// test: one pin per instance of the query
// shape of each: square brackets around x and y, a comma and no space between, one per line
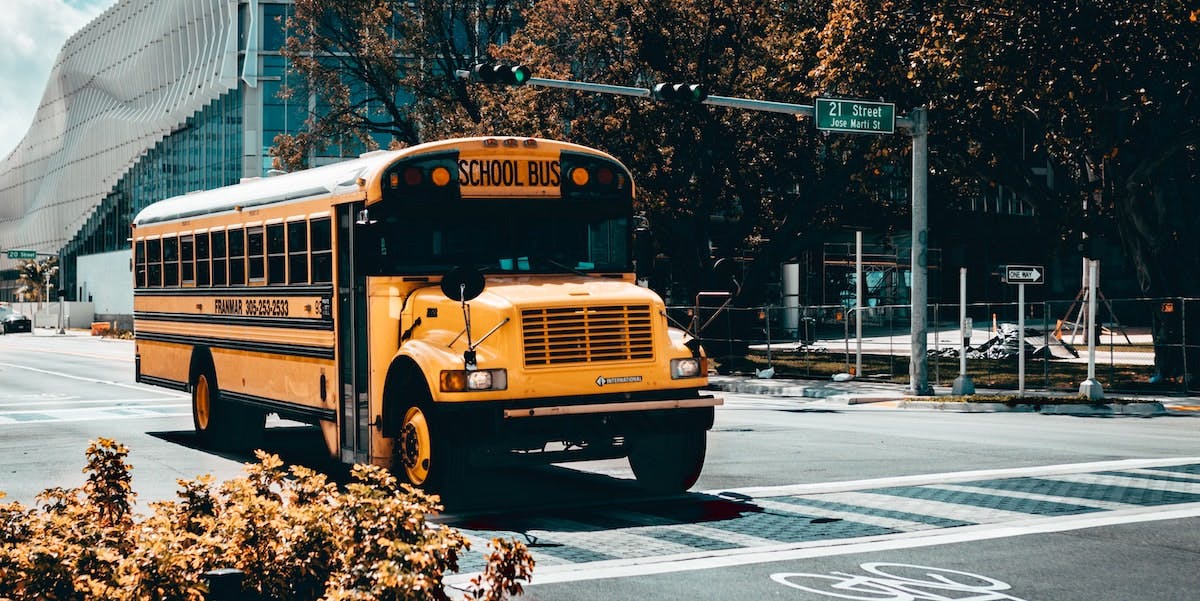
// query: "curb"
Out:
[904,401]
[1146,409]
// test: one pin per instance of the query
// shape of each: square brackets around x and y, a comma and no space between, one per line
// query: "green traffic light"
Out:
[500,73]
[681,93]
[521,74]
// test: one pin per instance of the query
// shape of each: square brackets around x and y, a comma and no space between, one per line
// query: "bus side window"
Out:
[321,242]
[202,266]
[276,255]
[218,258]
[170,261]
[139,264]
[256,259]
[154,262]
[187,259]
[237,257]
[297,246]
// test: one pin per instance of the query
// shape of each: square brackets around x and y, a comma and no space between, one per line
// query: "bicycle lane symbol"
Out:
[899,582]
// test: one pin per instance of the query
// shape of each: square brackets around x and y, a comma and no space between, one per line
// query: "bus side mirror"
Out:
[462,284]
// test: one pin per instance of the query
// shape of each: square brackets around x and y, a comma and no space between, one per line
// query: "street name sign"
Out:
[22,254]
[1024,274]
[855,116]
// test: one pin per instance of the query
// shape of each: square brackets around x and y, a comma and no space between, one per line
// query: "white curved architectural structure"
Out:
[122,84]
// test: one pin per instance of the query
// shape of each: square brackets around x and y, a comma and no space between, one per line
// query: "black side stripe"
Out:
[284,409]
[307,290]
[163,382]
[298,323]
[293,350]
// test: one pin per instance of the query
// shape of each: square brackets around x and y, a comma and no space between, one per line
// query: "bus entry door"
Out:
[353,410]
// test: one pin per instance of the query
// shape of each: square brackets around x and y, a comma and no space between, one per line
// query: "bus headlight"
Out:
[461,380]
[692,367]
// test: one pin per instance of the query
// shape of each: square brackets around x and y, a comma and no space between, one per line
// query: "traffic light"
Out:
[501,73]
[682,93]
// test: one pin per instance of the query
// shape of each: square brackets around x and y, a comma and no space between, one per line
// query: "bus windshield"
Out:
[523,236]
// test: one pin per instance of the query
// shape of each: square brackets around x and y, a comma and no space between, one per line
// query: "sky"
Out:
[32,32]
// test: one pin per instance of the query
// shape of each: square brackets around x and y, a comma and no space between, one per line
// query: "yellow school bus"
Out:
[436,309]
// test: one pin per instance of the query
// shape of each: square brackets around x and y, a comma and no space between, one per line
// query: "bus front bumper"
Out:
[620,407]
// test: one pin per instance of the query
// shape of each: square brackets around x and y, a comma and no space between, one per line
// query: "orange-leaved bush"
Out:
[292,533]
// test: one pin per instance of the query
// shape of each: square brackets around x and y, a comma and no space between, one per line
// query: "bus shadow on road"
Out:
[295,445]
[515,499]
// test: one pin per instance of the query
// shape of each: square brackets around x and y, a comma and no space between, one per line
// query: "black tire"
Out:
[426,452]
[668,462]
[219,423]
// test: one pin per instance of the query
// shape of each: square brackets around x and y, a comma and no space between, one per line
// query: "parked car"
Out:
[15,322]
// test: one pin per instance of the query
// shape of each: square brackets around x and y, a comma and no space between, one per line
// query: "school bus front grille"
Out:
[563,335]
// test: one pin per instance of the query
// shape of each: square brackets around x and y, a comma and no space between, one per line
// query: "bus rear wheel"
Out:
[668,462]
[427,455]
[219,423]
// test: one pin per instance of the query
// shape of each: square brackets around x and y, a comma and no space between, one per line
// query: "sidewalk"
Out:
[893,395]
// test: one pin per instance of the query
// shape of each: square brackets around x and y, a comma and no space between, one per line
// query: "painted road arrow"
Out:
[1023,274]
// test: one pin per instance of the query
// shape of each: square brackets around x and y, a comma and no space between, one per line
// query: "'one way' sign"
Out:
[1024,274]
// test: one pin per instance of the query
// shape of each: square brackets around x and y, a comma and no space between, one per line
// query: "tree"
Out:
[698,168]
[1110,85]
[1103,89]
[37,279]
[382,71]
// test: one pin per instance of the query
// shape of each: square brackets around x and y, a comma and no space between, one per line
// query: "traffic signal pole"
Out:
[916,123]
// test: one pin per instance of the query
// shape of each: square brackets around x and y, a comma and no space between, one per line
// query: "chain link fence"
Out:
[1143,345]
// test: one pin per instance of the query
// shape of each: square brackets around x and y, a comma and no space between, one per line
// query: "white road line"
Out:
[32,405]
[83,379]
[825,548]
[61,415]
[791,490]
[1015,494]
[1167,485]
[940,509]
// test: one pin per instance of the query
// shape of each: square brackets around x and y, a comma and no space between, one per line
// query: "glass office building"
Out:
[152,99]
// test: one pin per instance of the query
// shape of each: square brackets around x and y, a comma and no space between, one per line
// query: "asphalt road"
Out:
[798,496]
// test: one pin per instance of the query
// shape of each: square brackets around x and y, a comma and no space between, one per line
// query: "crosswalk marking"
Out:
[1109,505]
[1103,480]
[1165,474]
[739,539]
[941,509]
[862,518]
[619,543]
[1051,498]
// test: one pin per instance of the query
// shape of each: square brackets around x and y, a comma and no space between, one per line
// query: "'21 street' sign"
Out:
[855,116]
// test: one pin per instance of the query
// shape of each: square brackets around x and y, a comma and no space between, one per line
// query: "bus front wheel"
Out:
[668,462]
[428,456]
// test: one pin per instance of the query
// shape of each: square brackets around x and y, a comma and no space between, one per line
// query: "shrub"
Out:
[293,534]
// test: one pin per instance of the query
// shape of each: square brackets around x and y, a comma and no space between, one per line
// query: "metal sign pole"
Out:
[1090,388]
[858,301]
[1021,339]
[918,373]
[963,384]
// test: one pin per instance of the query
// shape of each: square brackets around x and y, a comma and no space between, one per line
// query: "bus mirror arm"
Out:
[693,342]
[469,354]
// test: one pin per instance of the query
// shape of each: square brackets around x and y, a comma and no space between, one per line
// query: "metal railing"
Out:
[1144,345]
